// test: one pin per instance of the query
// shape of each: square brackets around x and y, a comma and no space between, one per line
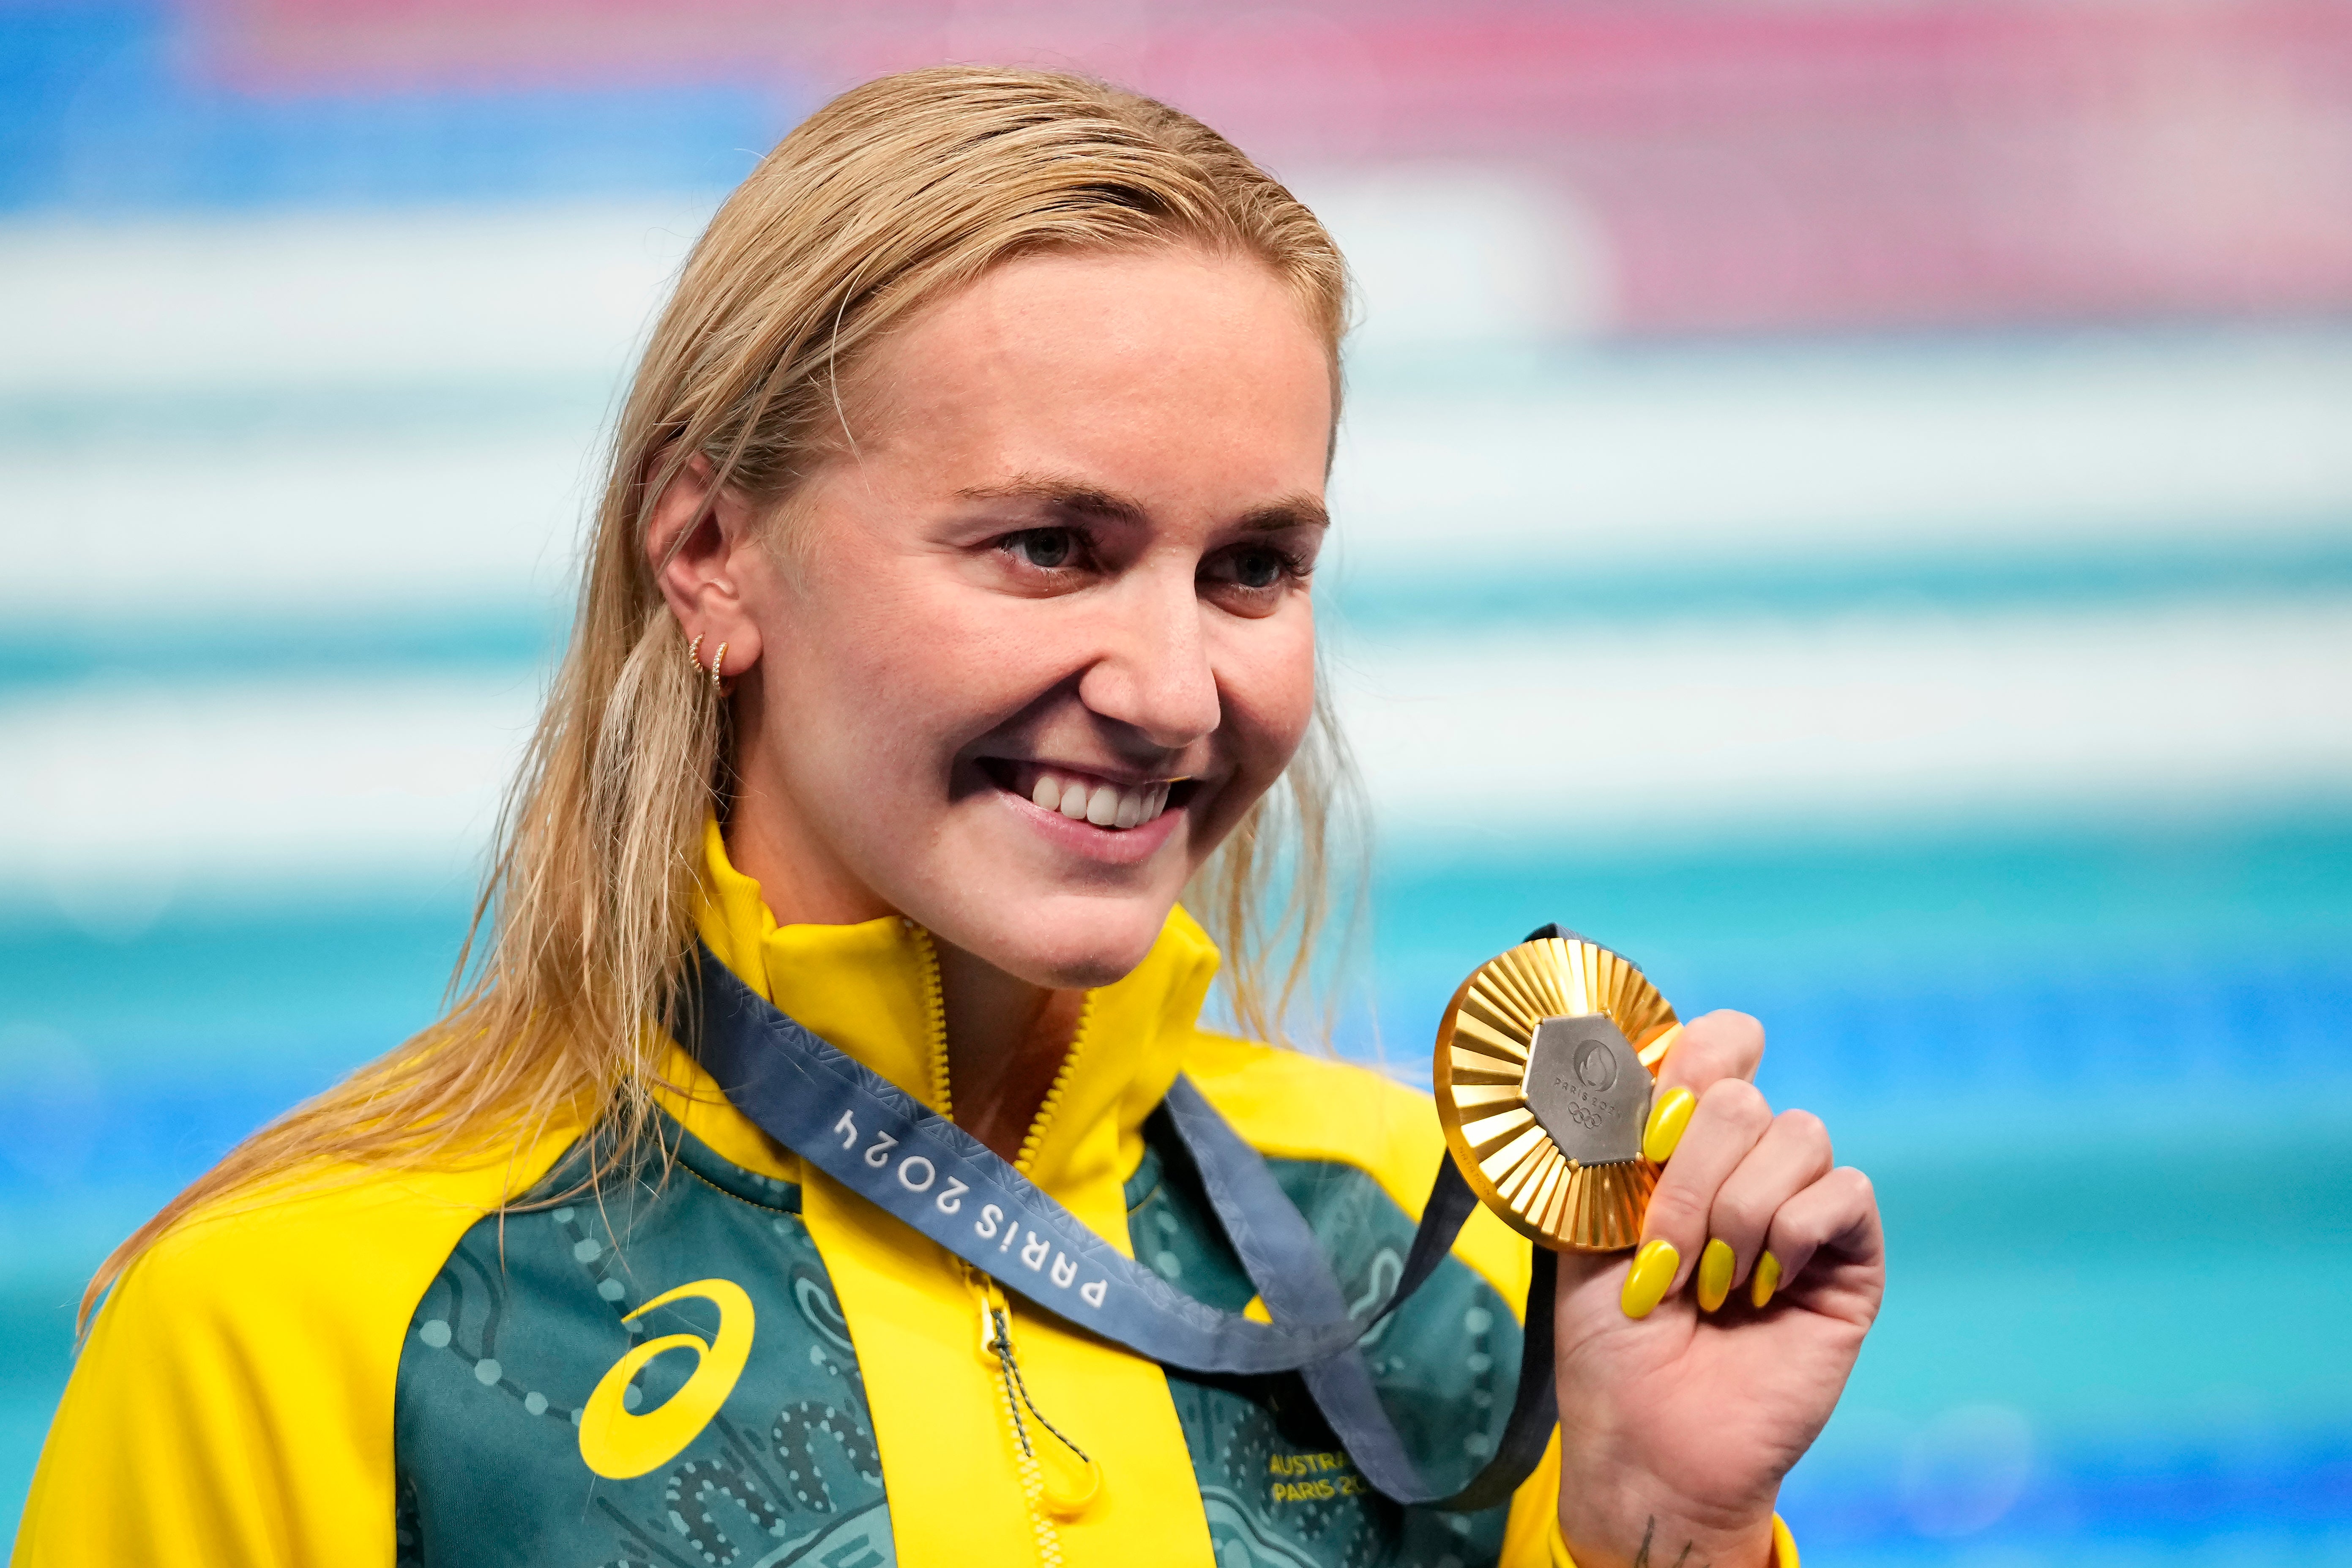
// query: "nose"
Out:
[1153,673]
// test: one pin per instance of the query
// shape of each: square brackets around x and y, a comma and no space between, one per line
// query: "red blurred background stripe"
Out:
[1747,167]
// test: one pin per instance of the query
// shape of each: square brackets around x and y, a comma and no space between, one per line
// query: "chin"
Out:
[1074,943]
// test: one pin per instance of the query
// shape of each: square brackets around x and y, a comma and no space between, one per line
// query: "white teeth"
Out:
[1104,804]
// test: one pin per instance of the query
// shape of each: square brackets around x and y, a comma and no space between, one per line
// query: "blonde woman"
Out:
[948,617]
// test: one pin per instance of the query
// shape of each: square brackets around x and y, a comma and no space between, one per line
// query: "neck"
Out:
[1006,1037]
[1006,1040]
[803,882]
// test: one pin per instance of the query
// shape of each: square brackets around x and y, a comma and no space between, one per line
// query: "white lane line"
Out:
[1989,452]
[90,306]
[1993,457]
[1445,257]
[119,795]
[1695,730]
[350,522]
[124,793]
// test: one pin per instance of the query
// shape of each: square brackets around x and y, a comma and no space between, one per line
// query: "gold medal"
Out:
[1545,1064]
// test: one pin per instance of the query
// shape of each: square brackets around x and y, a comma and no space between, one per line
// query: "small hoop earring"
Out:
[717,662]
[694,654]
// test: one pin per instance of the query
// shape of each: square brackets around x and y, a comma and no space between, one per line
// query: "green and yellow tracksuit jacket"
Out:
[721,1358]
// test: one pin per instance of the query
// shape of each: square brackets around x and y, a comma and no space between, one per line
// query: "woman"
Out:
[948,617]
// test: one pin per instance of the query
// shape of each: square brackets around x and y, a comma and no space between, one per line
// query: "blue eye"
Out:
[1253,569]
[1048,549]
[1257,568]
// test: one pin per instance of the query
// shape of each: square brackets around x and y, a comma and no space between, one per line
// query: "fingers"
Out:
[1744,1195]
[1719,1046]
[1840,1211]
[1711,1050]
[1792,1155]
[1730,1118]
[1720,1203]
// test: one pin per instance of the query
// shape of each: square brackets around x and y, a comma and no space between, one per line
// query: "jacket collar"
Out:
[871,990]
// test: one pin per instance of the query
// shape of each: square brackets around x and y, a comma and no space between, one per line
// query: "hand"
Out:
[1690,1380]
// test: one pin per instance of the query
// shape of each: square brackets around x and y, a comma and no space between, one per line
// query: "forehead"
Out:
[1160,365]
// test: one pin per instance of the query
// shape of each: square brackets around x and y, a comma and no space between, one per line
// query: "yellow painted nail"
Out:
[1715,1267]
[1767,1280]
[1667,1120]
[1646,1281]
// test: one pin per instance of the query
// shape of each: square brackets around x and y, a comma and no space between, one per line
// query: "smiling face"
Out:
[1046,635]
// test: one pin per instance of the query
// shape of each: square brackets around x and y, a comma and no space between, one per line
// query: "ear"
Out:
[707,561]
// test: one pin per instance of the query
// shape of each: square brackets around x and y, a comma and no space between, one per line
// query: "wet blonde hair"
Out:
[889,198]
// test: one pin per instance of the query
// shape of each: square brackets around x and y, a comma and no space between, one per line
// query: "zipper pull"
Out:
[988,1321]
[996,1352]
[1061,1501]
[991,1297]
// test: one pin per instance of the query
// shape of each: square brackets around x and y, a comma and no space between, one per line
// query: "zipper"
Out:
[935,1012]
[1048,1505]
[1059,1087]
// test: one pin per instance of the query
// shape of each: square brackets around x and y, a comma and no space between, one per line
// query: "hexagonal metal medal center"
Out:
[1588,1087]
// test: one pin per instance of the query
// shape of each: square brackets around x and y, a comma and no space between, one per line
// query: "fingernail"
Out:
[1715,1267]
[1667,1120]
[1646,1281]
[1767,1280]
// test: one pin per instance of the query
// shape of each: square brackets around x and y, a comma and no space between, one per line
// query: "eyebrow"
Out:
[1290,512]
[1074,498]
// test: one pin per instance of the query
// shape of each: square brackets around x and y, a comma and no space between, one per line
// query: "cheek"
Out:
[841,683]
[875,667]
[1269,684]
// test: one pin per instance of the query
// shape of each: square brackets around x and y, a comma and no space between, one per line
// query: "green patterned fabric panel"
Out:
[527,1315]
[509,1341]
[1278,1491]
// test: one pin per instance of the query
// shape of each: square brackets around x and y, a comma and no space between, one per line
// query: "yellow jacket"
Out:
[393,1367]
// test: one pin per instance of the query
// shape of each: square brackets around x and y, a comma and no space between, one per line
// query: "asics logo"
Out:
[619,1443]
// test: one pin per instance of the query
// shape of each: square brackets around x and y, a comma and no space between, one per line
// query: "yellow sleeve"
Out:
[233,1404]
[1531,1536]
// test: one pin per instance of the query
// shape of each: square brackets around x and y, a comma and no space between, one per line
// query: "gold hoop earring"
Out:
[694,654]
[717,662]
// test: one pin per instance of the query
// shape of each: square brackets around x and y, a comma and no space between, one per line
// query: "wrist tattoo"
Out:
[1649,1533]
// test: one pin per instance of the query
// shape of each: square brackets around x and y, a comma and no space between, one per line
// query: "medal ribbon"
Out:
[906,1159]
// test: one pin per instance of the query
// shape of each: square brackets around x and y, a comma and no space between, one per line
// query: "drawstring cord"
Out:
[1017,1389]
[996,1342]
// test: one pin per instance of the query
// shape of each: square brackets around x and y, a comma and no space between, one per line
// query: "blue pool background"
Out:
[2094,1051]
